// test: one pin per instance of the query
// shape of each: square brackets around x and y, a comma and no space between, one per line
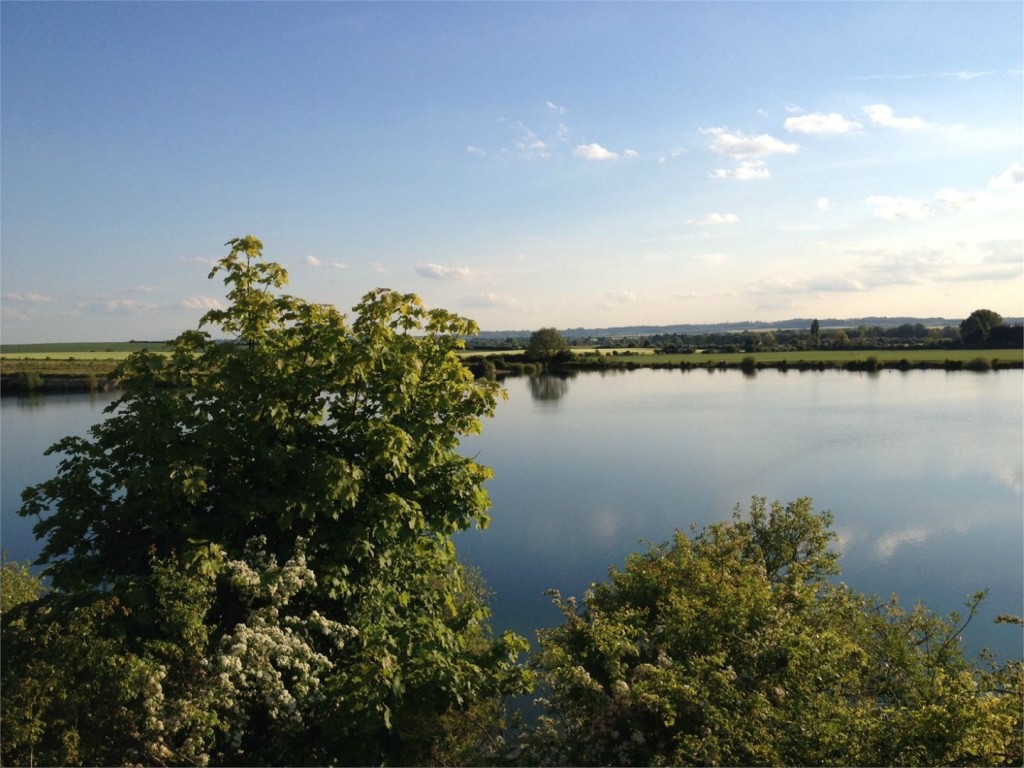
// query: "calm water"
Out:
[922,470]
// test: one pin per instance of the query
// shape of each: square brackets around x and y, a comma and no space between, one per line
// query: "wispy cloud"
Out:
[819,123]
[28,296]
[594,152]
[620,296]
[883,114]
[822,203]
[439,272]
[555,107]
[202,303]
[474,150]
[745,171]
[741,146]
[116,306]
[970,74]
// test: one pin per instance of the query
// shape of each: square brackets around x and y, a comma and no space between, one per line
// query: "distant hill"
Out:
[739,327]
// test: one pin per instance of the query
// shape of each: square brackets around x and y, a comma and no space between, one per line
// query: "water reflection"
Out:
[550,387]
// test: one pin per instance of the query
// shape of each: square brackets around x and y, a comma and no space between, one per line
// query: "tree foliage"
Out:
[978,326]
[546,345]
[258,540]
[736,647]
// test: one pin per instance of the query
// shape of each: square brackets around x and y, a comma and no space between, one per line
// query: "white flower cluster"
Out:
[276,660]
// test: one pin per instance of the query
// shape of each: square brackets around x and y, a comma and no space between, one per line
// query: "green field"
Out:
[70,359]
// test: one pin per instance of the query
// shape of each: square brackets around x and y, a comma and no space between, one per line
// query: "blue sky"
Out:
[524,164]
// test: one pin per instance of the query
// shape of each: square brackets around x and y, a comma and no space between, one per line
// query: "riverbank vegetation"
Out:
[250,561]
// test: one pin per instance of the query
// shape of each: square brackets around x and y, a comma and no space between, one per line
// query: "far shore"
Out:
[65,371]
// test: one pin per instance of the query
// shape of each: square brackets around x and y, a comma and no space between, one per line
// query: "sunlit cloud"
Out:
[1003,251]
[490,299]
[313,261]
[745,171]
[891,208]
[439,272]
[28,296]
[717,218]
[741,145]
[821,124]
[594,152]
[823,204]
[882,114]
[1010,178]
[555,107]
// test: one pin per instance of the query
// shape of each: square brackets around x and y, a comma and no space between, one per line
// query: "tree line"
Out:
[983,327]
[250,562]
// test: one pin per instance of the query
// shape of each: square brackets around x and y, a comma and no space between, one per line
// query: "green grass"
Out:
[111,350]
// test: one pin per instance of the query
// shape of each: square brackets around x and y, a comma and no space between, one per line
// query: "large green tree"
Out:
[978,325]
[259,536]
[545,345]
[736,646]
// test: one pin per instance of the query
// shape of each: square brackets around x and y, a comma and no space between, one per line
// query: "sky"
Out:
[523,164]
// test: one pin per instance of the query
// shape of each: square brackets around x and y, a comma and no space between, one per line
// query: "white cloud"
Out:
[1011,177]
[202,302]
[953,200]
[970,75]
[823,204]
[899,208]
[313,261]
[438,272]
[490,299]
[630,153]
[882,114]
[718,218]
[473,150]
[594,152]
[674,154]
[740,145]
[621,296]
[380,269]
[745,171]
[29,296]
[555,107]
[821,124]
[116,306]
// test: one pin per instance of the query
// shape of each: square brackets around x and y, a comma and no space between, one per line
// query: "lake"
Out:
[923,471]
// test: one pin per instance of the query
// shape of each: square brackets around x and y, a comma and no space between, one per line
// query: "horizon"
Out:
[526,165]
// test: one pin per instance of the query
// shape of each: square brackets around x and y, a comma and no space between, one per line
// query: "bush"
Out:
[978,364]
[736,647]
